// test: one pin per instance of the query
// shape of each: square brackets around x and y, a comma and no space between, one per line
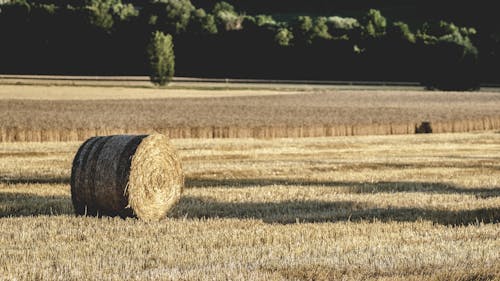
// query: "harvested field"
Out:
[416,207]
[66,114]
[81,93]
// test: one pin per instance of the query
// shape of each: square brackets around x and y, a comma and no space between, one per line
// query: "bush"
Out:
[161,58]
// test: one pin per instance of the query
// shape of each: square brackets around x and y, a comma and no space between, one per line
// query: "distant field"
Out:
[419,207]
[98,93]
[59,113]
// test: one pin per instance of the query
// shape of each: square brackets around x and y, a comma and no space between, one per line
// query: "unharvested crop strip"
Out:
[16,134]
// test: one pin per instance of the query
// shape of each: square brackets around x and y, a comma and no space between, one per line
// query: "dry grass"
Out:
[79,93]
[76,113]
[309,108]
[353,208]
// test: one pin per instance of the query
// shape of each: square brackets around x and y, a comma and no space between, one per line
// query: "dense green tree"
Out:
[283,37]
[111,38]
[261,20]
[373,24]
[400,31]
[161,58]
[306,30]
[226,16]
[302,28]
[320,29]
[16,13]
[169,16]
[342,28]
[450,55]
[104,13]
[202,23]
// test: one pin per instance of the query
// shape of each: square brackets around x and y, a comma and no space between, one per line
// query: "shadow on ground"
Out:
[319,211]
[29,204]
[13,204]
[347,186]
[33,180]
[342,186]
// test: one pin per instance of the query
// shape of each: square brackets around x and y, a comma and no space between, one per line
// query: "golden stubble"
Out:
[352,208]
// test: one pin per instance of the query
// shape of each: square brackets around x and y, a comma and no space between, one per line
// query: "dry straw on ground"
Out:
[399,208]
[126,176]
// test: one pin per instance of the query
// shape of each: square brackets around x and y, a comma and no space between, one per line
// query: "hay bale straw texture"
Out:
[126,176]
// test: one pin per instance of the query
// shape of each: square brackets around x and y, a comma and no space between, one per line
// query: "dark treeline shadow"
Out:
[347,186]
[321,211]
[35,39]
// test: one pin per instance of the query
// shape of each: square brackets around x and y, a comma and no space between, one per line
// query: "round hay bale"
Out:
[126,176]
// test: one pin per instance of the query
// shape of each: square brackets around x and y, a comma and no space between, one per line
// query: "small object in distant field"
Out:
[126,176]
[424,128]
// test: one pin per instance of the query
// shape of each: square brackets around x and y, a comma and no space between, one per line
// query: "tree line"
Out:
[110,37]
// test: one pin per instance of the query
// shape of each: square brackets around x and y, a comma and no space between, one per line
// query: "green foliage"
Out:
[336,22]
[124,11]
[283,37]
[34,31]
[99,14]
[302,29]
[320,29]
[19,10]
[201,23]
[401,31]
[227,17]
[306,30]
[169,16]
[374,24]
[442,28]
[223,7]
[303,25]
[343,28]
[47,9]
[161,58]
[443,32]
[262,20]
[104,13]
[453,56]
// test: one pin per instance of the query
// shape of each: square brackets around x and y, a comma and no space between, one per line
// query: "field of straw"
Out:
[414,207]
[63,113]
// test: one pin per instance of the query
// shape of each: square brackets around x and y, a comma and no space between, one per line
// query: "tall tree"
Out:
[161,58]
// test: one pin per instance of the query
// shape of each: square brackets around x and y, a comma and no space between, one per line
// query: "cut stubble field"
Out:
[61,113]
[415,207]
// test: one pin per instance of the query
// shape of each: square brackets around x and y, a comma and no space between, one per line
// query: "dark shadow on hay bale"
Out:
[101,183]
[424,128]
